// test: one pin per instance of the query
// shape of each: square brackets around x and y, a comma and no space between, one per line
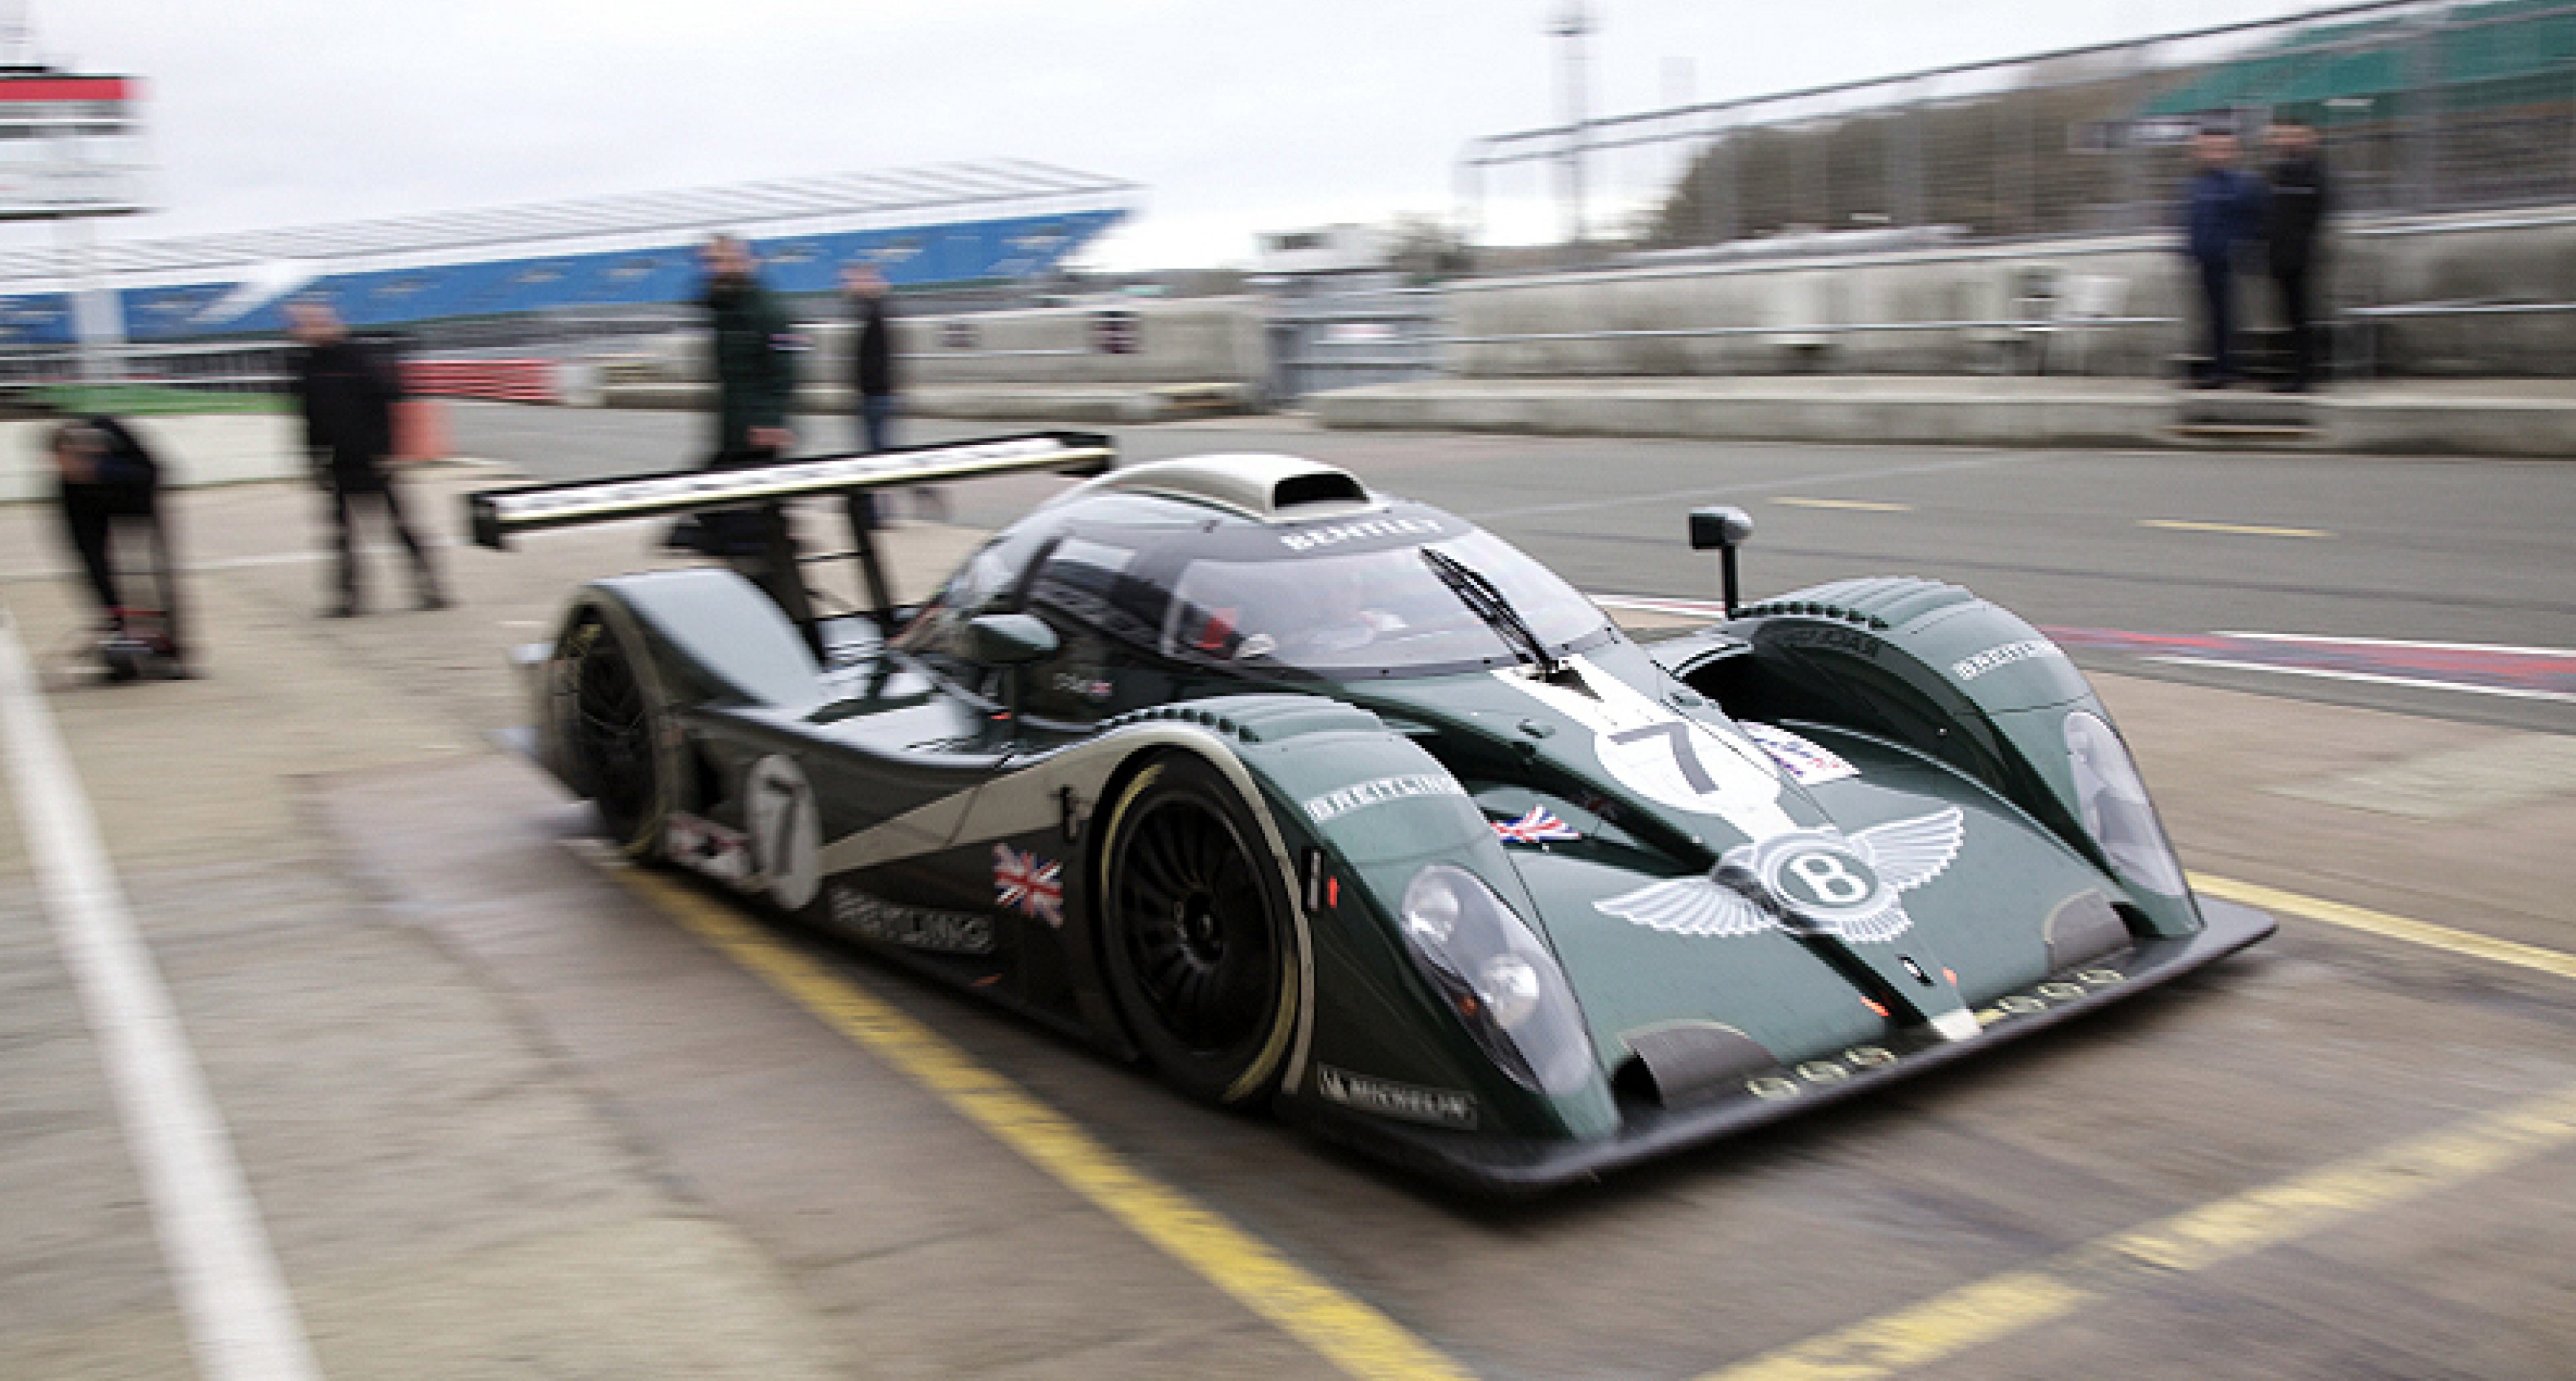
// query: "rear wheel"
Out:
[612,728]
[1194,922]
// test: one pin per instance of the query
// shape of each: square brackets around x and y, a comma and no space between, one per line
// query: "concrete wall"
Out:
[215,449]
[2525,258]
[1187,341]
[2472,260]
[1778,302]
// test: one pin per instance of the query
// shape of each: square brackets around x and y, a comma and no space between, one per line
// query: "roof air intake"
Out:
[1317,486]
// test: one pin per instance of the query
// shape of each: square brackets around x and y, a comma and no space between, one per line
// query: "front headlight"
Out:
[2113,802]
[1493,972]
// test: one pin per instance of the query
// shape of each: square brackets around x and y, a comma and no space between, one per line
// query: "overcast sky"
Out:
[1235,117]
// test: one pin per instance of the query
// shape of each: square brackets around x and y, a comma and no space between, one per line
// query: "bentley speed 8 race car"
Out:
[1316,798]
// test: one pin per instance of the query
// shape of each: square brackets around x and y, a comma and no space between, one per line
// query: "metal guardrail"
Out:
[1056,352]
[2031,325]
[2456,224]
[233,367]
[2402,310]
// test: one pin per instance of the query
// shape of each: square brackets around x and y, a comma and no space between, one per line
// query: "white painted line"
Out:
[2231,529]
[1657,604]
[1857,505]
[1720,491]
[263,560]
[2497,648]
[2419,682]
[241,1322]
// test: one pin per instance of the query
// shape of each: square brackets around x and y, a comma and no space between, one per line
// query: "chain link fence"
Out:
[2424,107]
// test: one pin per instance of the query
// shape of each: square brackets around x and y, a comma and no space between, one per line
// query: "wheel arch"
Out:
[701,635]
[1930,667]
[585,624]
[1146,747]
[1229,733]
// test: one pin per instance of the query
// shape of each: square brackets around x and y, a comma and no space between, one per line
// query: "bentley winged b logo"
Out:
[1812,879]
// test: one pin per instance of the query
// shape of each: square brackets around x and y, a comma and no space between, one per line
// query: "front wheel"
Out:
[1194,921]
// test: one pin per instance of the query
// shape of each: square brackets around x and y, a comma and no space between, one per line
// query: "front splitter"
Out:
[1519,1167]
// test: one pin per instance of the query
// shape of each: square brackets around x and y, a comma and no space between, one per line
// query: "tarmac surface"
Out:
[503,1112]
[2155,542]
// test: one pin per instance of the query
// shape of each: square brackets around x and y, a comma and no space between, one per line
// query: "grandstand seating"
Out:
[959,252]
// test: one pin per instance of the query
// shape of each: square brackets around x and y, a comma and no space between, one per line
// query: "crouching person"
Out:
[111,481]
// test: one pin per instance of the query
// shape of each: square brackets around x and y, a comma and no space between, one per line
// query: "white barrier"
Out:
[216,448]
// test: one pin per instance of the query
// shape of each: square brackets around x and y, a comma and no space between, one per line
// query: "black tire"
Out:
[612,733]
[1195,931]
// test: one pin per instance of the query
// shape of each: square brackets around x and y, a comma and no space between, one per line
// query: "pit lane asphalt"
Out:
[2458,551]
[503,1116]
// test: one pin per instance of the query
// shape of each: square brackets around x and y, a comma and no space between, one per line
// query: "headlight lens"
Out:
[1498,978]
[1511,990]
[2114,805]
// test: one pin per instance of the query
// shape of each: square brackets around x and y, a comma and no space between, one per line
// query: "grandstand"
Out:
[952,226]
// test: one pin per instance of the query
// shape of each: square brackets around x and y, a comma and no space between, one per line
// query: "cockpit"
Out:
[1150,581]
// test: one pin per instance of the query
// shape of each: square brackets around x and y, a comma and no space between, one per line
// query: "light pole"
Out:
[1574,24]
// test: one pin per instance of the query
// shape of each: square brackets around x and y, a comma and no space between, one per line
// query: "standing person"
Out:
[2299,200]
[2223,208]
[871,355]
[872,373]
[755,382]
[755,385]
[348,394]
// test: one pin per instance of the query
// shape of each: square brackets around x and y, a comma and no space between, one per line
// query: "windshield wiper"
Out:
[1485,600]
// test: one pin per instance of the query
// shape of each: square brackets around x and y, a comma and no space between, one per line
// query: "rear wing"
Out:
[498,514]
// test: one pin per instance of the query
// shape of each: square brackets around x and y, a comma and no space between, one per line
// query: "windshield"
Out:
[1368,613]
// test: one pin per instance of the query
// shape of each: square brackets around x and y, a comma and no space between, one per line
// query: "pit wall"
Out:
[2527,257]
[1210,340]
[217,448]
[1050,361]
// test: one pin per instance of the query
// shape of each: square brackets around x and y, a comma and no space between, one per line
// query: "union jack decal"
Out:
[1537,827]
[1028,884]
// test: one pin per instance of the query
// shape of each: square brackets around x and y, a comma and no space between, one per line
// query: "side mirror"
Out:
[1716,529]
[1009,640]
[1722,530]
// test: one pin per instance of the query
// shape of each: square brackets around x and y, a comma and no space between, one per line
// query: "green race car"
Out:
[1318,799]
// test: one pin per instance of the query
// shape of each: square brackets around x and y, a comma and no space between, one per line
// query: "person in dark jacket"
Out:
[348,393]
[872,376]
[871,355]
[2223,209]
[755,381]
[755,386]
[108,476]
[2299,200]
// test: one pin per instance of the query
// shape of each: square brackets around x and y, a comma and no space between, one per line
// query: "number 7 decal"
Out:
[786,831]
[785,796]
[1684,756]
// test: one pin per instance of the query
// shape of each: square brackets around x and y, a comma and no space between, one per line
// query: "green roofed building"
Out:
[2471,58]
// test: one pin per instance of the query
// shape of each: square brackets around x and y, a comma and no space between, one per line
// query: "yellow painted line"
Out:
[1862,505]
[2549,961]
[1345,1331]
[2239,529]
[2196,1239]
